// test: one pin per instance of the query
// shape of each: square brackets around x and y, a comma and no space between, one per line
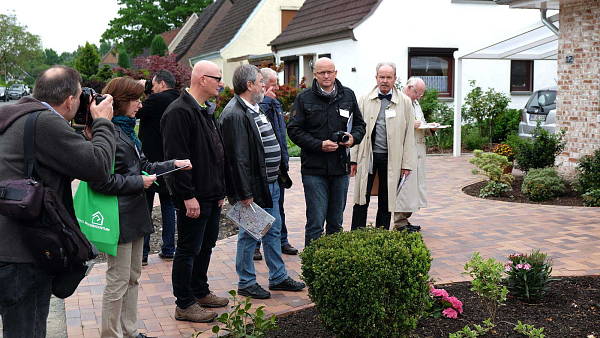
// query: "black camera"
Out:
[340,137]
[83,115]
[148,87]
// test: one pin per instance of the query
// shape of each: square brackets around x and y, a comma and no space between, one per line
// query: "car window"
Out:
[547,98]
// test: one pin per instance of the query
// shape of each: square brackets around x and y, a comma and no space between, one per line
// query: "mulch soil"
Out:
[226,229]
[570,198]
[571,308]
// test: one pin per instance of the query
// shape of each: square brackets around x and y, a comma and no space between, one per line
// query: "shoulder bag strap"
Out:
[29,145]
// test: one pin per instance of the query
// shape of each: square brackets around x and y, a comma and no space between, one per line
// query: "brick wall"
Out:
[578,102]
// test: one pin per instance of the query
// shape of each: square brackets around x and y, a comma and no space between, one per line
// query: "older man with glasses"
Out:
[413,196]
[326,123]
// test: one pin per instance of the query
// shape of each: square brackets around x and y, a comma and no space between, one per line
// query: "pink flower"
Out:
[526,266]
[439,292]
[456,304]
[508,267]
[450,313]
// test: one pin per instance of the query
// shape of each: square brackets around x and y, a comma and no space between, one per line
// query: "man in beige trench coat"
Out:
[413,196]
[387,150]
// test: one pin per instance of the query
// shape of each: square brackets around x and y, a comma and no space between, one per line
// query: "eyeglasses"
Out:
[326,72]
[218,78]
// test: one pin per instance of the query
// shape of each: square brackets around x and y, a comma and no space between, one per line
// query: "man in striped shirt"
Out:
[253,159]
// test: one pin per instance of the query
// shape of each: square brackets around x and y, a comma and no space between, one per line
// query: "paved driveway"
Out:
[454,226]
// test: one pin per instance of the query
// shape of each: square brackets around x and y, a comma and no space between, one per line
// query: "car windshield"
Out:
[16,86]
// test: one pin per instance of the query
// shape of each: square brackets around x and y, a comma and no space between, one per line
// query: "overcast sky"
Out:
[63,24]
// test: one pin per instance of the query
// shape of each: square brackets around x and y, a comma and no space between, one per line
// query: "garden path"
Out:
[454,226]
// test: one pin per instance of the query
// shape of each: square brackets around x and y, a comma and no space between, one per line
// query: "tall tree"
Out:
[139,21]
[158,46]
[17,45]
[105,47]
[124,60]
[87,60]
[51,57]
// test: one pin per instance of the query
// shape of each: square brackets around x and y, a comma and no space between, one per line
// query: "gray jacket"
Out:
[61,154]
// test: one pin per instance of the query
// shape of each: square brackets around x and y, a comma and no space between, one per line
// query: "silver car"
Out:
[540,108]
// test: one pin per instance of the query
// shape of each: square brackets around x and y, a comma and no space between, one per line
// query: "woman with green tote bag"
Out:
[132,174]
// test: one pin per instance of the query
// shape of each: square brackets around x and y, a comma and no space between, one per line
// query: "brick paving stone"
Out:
[453,226]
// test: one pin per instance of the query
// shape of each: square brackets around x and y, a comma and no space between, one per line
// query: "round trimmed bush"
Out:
[368,282]
[542,184]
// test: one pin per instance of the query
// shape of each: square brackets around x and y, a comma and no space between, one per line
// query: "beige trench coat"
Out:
[413,194]
[400,141]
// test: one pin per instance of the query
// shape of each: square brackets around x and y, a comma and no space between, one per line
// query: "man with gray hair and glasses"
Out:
[271,107]
[387,153]
[253,164]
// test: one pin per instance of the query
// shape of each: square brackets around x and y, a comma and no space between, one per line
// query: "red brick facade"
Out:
[578,103]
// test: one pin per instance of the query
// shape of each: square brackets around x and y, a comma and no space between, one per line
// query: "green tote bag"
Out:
[98,217]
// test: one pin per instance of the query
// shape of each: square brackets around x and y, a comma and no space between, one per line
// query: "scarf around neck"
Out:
[127,125]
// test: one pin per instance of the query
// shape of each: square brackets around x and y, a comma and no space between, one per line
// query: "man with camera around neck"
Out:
[61,155]
[153,108]
[326,123]
[388,150]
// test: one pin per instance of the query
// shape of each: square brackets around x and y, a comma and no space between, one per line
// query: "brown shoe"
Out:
[212,300]
[195,313]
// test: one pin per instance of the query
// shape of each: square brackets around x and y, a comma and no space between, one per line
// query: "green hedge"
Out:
[369,282]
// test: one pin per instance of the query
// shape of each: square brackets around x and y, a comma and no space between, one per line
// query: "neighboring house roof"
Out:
[170,35]
[237,14]
[110,58]
[203,19]
[320,21]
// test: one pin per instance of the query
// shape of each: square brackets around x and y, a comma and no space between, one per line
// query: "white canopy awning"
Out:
[536,43]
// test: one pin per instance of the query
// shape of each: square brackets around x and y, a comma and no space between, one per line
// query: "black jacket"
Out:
[191,132]
[127,184]
[246,167]
[316,118]
[61,154]
[150,114]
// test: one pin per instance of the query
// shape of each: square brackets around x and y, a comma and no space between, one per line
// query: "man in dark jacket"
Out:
[253,161]
[272,109]
[190,131]
[163,84]
[61,155]
[327,121]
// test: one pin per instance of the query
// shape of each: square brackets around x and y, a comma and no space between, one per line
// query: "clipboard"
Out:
[401,184]
[171,171]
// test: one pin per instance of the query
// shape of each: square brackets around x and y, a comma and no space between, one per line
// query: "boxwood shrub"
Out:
[542,184]
[368,282]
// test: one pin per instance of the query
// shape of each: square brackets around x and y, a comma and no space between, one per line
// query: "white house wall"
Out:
[397,25]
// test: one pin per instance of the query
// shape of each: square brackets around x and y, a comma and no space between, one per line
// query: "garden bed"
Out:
[570,198]
[571,308]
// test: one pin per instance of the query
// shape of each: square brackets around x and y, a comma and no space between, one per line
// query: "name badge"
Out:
[344,113]
[390,113]
[263,118]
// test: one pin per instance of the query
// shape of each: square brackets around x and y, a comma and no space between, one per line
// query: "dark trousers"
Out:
[196,239]
[167,210]
[284,232]
[24,300]
[359,212]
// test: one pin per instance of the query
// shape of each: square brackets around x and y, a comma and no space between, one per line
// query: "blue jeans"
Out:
[244,265]
[167,209]
[197,237]
[284,232]
[24,300]
[325,198]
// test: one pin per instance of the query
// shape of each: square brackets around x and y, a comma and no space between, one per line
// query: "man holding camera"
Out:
[61,155]
[326,123]
[163,93]
[388,151]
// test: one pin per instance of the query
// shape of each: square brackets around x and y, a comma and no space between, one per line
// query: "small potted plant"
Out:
[505,150]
